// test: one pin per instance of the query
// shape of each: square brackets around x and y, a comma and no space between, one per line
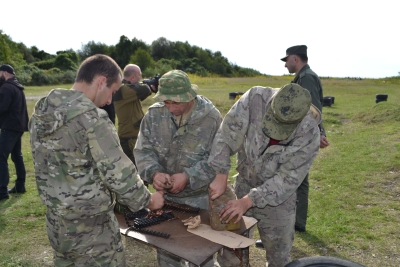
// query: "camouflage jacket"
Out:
[79,164]
[162,147]
[269,175]
[309,80]
[128,107]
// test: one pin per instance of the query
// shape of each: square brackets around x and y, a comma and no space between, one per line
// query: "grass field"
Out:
[354,210]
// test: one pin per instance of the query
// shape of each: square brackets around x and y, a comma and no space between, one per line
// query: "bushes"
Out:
[32,75]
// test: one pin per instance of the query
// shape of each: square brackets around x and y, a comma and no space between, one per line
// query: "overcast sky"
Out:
[344,38]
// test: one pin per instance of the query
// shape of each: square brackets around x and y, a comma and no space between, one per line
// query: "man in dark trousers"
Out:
[13,123]
[128,107]
[297,62]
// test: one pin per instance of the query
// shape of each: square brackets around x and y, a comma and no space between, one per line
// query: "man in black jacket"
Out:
[13,123]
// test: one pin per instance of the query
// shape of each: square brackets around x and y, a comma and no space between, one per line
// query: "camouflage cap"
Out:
[295,50]
[175,86]
[288,108]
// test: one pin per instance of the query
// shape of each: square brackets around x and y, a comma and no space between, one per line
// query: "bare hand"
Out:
[179,181]
[218,186]
[156,200]
[323,142]
[235,207]
[159,180]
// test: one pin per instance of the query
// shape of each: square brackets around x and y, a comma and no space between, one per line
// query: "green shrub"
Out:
[45,64]
[40,77]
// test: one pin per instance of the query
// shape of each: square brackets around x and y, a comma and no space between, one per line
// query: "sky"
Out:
[350,38]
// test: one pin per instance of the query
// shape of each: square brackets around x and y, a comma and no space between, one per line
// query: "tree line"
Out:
[37,67]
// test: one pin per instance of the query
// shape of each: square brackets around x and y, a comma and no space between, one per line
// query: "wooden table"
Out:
[183,244]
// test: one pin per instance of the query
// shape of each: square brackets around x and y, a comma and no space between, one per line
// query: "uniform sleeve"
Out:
[116,170]
[146,156]
[230,135]
[142,91]
[201,174]
[313,85]
[294,164]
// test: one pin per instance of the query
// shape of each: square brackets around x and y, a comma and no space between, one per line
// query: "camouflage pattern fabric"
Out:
[163,147]
[268,175]
[102,244]
[175,86]
[288,107]
[80,168]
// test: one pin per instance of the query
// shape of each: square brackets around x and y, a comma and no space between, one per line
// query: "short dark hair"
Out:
[303,57]
[99,65]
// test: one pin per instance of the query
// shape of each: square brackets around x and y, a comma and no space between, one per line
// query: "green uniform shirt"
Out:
[128,107]
[310,81]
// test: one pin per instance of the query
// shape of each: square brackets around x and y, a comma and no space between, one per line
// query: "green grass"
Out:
[354,210]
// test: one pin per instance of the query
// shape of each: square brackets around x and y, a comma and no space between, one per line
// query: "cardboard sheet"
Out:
[225,238]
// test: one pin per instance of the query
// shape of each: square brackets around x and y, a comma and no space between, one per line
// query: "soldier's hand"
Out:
[235,207]
[179,181]
[218,186]
[159,180]
[323,142]
[156,201]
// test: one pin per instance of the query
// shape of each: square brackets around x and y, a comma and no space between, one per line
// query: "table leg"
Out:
[243,253]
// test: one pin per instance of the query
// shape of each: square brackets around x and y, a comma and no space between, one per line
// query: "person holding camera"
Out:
[128,107]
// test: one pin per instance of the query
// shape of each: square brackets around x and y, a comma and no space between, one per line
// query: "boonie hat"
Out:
[7,68]
[287,109]
[295,50]
[175,86]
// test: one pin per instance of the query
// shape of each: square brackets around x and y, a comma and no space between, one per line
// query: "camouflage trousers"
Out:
[276,228]
[94,241]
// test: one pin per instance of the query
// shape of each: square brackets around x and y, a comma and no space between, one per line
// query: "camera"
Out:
[153,81]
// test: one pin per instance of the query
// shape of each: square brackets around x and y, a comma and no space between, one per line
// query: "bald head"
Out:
[132,73]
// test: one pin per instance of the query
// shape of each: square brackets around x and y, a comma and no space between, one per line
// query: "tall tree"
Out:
[9,52]
[161,48]
[40,54]
[93,48]
[142,58]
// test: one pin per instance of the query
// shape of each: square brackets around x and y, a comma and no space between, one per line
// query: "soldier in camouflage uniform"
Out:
[174,143]
[81,169]
[276,135]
